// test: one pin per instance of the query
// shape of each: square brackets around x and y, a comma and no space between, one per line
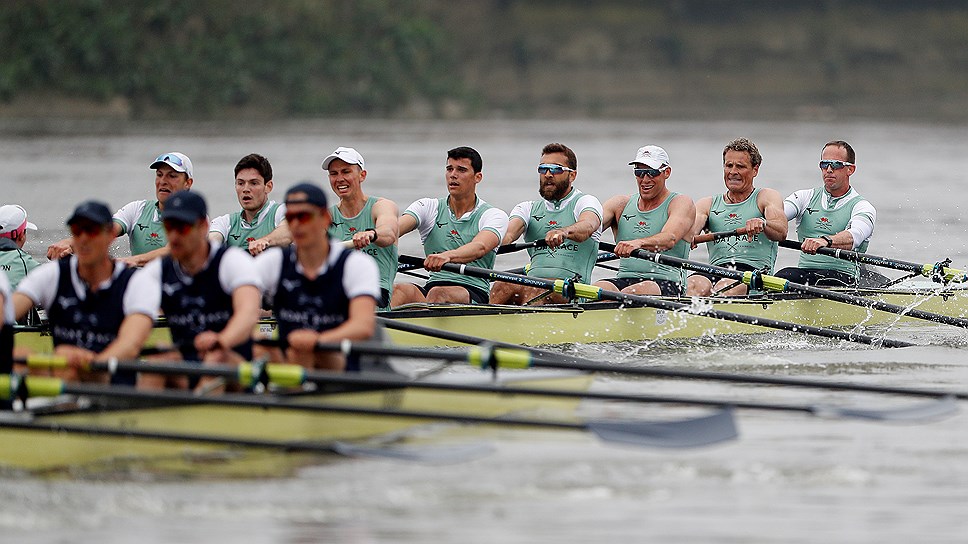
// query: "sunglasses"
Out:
[651,172]
[178,227]
[91,229]
[302,217]
[836,165]
[173,159]
[554,169]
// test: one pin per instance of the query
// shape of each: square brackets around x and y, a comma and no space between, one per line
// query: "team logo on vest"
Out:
[552,224]
[733,219]
[454,236]
[235,236]
[627,217]
[537,217]
[289,285]
[250,239]
[155,239]
[717,212]
[440,225]
[641,226]
[140,226]
[824,224]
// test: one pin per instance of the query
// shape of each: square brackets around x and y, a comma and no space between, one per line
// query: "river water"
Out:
[789,478]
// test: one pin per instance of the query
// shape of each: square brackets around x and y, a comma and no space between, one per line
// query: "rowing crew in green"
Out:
[462,228]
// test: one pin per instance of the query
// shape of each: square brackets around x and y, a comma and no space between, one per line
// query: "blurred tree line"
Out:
[178,57]
[426,58]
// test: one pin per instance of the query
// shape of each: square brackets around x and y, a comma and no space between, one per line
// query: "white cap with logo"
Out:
[13,221]
[345,154]
[178,161]
[652,156]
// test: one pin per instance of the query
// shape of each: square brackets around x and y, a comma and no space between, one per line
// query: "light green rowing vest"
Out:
[15,262]
[568,259]
[148,233]
[343,228]
[449,233]
[818,221]
[240,235]
[760,253]
[634,224]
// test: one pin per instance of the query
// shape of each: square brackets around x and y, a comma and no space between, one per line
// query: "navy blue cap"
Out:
[185,206]
[314,195]
[91,210]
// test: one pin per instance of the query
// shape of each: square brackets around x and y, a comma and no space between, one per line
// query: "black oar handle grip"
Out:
[511,248]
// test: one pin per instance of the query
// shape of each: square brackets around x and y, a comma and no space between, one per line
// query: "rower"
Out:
[834,215]
[210,292]
[14,261]
[655,219]
[6,327]
[369,222]
[461,228]
[756,212]
[141,219]
[568,221]
[98,307]
[261,223]
[320,291]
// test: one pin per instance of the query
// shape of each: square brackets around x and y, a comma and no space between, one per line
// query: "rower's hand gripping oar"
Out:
[939,272]
[757,280]
[570,290]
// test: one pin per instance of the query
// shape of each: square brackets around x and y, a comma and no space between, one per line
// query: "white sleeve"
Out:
[268,265]
[40,285]
[237,269]
[494,220]
[143,293]
[280,216]
[361,276]
[128,215]
[220,225]
[796,203]
[861,225]
[588,202]
[523,212]
[425,212]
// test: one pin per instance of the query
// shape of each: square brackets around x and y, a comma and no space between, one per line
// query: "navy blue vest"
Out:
[92,323]
[197,307]
[319,305]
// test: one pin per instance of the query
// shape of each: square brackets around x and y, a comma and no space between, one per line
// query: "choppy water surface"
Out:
[789,478]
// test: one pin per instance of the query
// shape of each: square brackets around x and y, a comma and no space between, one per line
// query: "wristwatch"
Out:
[830,241]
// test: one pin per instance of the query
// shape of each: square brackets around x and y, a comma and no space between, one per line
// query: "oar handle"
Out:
[511,248]
[713,236]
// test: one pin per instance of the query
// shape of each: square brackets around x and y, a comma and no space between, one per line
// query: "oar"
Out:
[546,359]
[938,271]
[571,289]
[713,236]
[690,432]
[448,454]
[511,248]
[773,283]
[293,375]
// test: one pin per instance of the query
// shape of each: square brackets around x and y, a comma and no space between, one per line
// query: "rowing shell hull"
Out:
[609,322]
[58,453]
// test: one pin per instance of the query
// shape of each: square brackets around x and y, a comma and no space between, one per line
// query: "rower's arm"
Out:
[611,210]
[386,222]
[407,223]
[131,338]
[588,224]
[137,261]
[485,241]
[361,324]
[279,237]
[515,230]
[246,303]
[771,204]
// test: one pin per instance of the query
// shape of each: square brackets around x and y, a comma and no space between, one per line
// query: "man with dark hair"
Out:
[655,219]
[320,291]
[210,292]
[14,261]
[834,215]
[141,219]
[756,212]
[261,223]
[565,219]
[369,222]
[99,308]
[460,228]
